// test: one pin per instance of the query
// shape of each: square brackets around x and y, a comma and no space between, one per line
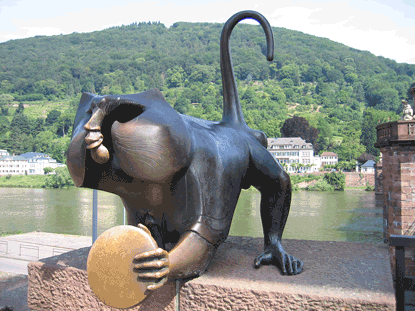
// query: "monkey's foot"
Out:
[275,255]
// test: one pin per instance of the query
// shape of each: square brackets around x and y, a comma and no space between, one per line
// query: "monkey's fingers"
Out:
[157,253]
[154,275]
[158,285]
[152,265]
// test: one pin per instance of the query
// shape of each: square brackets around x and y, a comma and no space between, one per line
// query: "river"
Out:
[352,215]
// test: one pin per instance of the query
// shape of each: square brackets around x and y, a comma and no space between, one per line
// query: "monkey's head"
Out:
[127,137]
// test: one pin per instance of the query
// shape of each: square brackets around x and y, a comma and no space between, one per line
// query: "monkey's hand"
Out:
[276,255]
[152,265]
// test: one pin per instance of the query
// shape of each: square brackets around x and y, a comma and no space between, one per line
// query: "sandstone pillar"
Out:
[396,141]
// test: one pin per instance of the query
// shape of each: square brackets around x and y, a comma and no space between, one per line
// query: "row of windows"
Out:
[288,147]
[288,161]
[11,165]
[11,171]
[287,154]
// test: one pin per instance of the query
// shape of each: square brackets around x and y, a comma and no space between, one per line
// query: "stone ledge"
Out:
[337,275]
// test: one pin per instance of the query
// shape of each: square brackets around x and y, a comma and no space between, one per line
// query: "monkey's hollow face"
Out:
[139,143]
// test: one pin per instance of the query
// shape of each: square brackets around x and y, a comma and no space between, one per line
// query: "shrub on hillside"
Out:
[320,185]
[336,179]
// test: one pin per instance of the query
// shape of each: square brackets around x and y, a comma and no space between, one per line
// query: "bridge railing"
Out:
[403,283]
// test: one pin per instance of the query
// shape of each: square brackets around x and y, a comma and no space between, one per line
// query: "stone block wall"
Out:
[399,197]
[399,189]
[354,179]
[336,276]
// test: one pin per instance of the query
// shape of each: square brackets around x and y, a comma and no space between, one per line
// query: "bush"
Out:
[369,187]
[296,179]
[320,185]
[336,179]
[61,179]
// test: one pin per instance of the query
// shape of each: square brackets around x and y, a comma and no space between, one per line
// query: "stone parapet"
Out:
[397,132]
[337,276]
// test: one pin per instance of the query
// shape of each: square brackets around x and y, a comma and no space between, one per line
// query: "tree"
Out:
[38,126]
[349,149]
[371,118]
[44,142]
[19,143]
[64,124]
[345,165]
[48,170]
[19,109]
[6,100]
[175,77]
[20,124]
[4,124]
[52,117]
[299,127]
[364,157]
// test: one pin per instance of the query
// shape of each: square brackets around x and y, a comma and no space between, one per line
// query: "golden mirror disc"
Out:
[110,266]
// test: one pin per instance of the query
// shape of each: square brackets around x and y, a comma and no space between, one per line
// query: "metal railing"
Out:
[403,283]
[61,250]
[31,247]
[7,247]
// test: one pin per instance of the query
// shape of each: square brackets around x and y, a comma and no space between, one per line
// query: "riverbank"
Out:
[23,181]
[60,178]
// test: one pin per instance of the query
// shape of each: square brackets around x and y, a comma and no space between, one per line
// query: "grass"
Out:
[22,181]
[41,109]
[37,109]
[6,233]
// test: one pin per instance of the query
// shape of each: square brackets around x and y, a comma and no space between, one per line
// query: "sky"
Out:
[384,27]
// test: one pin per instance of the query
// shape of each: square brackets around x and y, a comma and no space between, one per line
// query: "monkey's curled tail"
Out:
[232,111]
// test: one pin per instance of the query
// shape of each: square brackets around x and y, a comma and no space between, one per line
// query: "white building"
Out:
[368,167]
[329,158]
[4,153]
[293,150]
[13,165]
[38,161]
[31,163]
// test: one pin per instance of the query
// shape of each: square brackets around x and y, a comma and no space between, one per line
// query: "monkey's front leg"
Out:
[190,257]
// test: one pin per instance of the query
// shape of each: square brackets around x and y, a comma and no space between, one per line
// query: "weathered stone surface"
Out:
[60,283]
[337,276]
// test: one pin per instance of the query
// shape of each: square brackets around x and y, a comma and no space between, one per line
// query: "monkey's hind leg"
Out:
[275,187]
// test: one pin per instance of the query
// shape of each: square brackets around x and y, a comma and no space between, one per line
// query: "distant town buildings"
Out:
[368,167]
[298,155]
[329,158]
[31,163]
[3,153]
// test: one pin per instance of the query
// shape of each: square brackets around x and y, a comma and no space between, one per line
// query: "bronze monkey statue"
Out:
[181,176]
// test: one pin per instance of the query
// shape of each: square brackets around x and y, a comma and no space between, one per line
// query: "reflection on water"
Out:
[327,216]
[352,215]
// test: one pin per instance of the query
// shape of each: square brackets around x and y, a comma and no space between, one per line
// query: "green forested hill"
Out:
[328,83]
